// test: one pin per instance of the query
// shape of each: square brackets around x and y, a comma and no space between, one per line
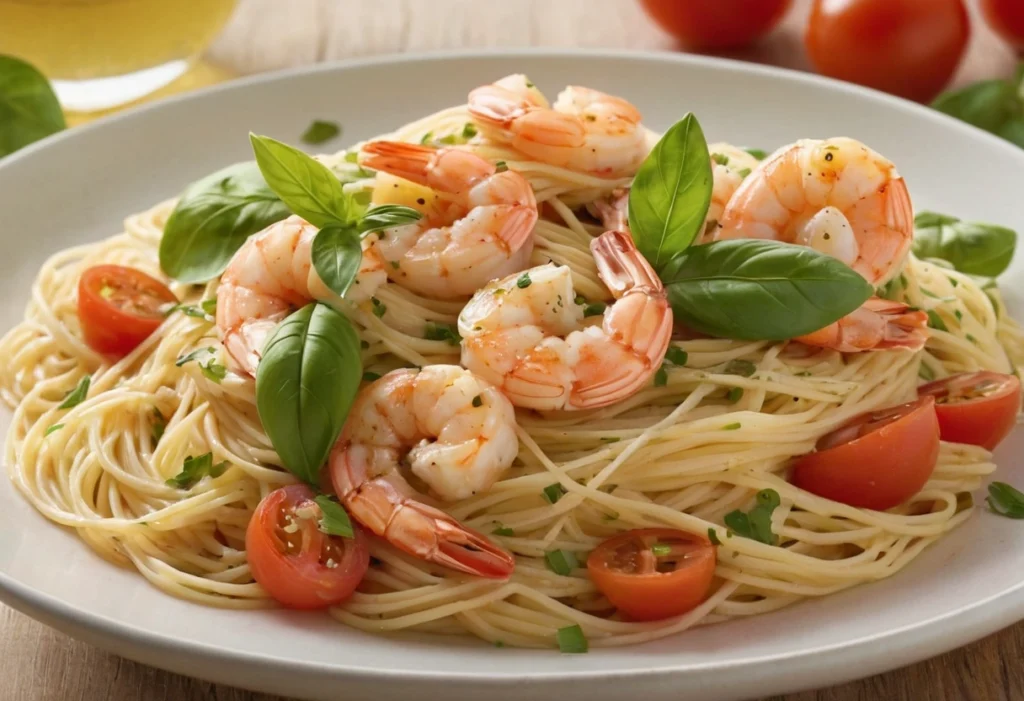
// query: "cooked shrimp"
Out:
[878,325]
[836,196]
[523,333]
[492,233]
[269,277]
[457,434]
[730,165]
[585,130]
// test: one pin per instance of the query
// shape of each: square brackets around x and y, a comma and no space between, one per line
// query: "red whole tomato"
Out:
[120,307]
[297,563]
[905,47]
[1007,18]
[653,573]
[876,460]
[716,24]
[979,408]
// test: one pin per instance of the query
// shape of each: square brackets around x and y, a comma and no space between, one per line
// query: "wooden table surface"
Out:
[39,664]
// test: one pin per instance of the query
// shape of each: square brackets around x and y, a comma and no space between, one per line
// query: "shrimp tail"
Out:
[620,265]
[878,324]
[409,161]
[453,545]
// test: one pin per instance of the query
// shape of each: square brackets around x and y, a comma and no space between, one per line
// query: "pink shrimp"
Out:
[489,234]
[878,325]
[586,130]
[523,333]
[456,432]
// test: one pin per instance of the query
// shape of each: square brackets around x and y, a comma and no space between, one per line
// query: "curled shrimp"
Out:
[836,196]
[456,432]
[487,233]
[877,325]
[586,130]
[270,276]
[523,333]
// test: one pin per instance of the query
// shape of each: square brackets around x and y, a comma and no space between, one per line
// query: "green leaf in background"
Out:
[212,220]
[997,106]
[972,248]
[305,185]
[29,111]
[752,289]
[305,385]
[320,131]
[670,194]
[337,255]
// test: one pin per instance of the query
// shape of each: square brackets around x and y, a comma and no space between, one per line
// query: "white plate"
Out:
[78,186]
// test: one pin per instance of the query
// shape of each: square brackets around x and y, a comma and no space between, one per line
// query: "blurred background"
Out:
[105,54]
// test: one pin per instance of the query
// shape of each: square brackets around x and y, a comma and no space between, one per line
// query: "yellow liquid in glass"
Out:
[85,39]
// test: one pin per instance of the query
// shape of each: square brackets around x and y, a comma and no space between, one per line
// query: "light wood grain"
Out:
[39,664]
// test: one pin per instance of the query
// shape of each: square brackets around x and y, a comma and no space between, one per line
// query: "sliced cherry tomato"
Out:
[979,408]
[298,564]
[906,47]
[653,573]
[1007,18]
[119,307]
[716,24]
[876,460]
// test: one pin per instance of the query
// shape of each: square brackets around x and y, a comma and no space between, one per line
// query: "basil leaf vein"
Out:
[213,218]
[305,385]
[671,192]
[337,255]
[29,110]
[760,290]
[305,185]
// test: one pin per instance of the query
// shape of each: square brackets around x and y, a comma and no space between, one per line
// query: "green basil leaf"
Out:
[1005,500]
[671,193]
[760,290]
[987,104]
[320,131]
[973,248]
[387,216]
[305,385]
[212,220]
[305,185]
[337,255]
[757,524]
[29,111]
[334,519]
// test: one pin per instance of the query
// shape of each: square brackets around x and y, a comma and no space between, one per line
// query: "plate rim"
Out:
[975,620]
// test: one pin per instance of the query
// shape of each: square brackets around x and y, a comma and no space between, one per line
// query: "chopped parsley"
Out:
[661,549]
[757,523]
[195,469]
[676,356]
[661,377]
[77,395]
[524,281]
[554,492]
[194,355]
[713,537]
[594,309]
[51,429]
[503,530]
[159,425]
[571,640]
[561,562]
[214,372]
[743,368]
[442,332]
[720,159]
[735,394]
[500,167]
[379,308]
[935,321]
[478,401]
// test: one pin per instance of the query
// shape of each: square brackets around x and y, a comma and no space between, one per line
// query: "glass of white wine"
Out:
[103,53]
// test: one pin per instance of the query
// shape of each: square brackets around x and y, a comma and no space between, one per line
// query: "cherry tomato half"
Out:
[906,47]
[716,24]
[298,564]
[876,460]
[119,307]
[1007,18]
[979,408]
[653,573]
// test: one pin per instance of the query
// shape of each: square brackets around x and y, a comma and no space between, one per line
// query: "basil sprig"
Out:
[997,106]
[308,188]
[29,111]
[1005,500]
[744,289]
[760,290]
[212,220]
[970,247]
[671,193]
[305,385]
